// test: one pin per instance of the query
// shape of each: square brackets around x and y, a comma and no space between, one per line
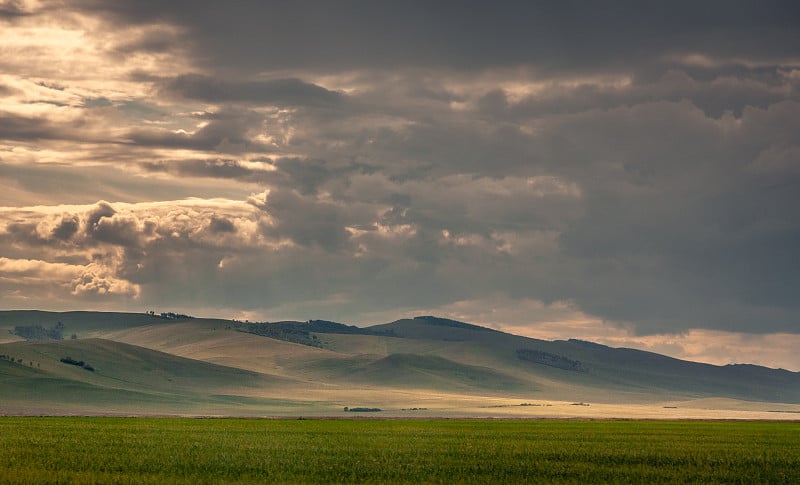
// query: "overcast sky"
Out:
[624,173]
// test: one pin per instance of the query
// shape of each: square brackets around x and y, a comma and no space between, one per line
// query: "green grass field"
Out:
[171,450]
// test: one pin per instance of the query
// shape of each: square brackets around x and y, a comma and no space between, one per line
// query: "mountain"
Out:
[108,363]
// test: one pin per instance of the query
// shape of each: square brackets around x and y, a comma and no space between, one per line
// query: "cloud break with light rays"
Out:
[617,172]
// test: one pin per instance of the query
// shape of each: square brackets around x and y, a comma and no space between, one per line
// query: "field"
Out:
[173,450]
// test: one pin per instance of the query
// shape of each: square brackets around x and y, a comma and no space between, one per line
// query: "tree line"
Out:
[18,360]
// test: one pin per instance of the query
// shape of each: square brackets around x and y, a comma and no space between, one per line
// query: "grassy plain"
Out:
[171,450]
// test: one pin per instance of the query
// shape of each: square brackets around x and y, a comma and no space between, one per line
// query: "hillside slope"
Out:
[107,375]
[619,371]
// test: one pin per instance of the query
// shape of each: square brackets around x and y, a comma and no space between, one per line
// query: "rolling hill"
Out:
[109,363]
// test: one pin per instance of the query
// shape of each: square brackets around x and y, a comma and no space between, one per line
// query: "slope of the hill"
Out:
[415,371]
[83,324]
[111,376]
[618,371]
[215,341]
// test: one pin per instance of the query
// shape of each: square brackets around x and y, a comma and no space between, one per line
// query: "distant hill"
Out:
[431,327]
[303,332]
[613,369]
[143,363]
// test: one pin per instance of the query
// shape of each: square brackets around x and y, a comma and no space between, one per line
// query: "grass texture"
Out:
[175,450]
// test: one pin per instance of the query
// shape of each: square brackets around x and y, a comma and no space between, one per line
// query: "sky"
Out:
[621,172]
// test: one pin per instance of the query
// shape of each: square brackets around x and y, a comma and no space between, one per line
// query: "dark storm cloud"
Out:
[24,233]
[229,130]
[23,128]
[64,230]
[309,221]
[103,209]
[6,91]
[67,228]
[720,260]
[154,42]
[682,224]
[105,225]
[122,232]
[216,168]
[277,92]
[305,175]
[561,35]
[11,10]
[221,225]
[714,96]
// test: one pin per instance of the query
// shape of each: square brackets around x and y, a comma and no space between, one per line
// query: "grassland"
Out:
[137,450]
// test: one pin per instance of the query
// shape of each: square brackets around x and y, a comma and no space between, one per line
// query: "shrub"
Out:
[77,363]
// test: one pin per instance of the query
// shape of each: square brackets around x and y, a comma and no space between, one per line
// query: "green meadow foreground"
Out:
[173,450]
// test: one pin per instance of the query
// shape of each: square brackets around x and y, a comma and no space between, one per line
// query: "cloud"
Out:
[62,281]
[34,269]
[215,168]
[473,36]
[213,132]
[633,165]
[115,251]
[275,92]
[11,10]
[104,224]
[714,92]
[6,91]
[27,128]
[310,220]
[66,228]
[94,283]
[221,225]
[693,232]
